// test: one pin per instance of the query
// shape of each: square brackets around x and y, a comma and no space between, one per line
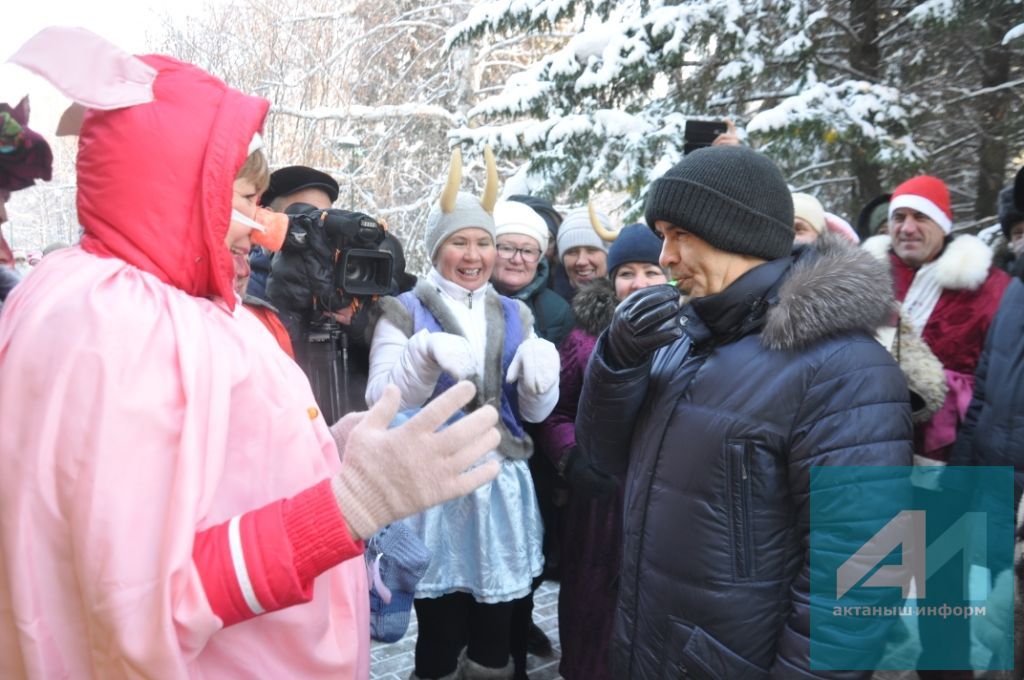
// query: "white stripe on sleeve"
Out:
[241,572]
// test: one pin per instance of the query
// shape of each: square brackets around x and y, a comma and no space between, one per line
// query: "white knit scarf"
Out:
[921,298]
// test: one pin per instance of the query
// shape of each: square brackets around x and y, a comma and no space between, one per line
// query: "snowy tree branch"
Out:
[382,112]
[989,90]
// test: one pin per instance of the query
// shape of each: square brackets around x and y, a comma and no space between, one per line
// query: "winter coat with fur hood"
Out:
[717,436]
[993,430]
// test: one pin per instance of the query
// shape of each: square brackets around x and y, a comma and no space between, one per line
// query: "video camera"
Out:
[329,258]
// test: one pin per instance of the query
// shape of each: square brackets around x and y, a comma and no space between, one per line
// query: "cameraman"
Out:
[328,330]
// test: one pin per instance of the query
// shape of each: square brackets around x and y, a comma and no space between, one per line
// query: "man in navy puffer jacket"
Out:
[716,412]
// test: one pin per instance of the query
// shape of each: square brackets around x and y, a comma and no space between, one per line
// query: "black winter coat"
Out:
[717,435]
[993,430]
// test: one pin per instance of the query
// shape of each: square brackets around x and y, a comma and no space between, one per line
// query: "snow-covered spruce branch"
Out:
[373,113]
[952,145]
[846,68]
[519,39]
[752,97]
[823,182]
[811,168]
[846,28]
[989,90]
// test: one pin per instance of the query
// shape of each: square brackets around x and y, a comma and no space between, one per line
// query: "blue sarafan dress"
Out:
[487,543]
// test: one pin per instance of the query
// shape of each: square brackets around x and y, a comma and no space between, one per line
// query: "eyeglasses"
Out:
[507,252]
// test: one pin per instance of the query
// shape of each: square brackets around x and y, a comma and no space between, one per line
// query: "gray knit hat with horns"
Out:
[733,197]
[468,213]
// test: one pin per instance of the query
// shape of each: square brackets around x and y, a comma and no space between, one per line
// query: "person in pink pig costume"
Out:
[172,504]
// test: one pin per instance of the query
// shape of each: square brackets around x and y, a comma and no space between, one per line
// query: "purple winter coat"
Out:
[591,546]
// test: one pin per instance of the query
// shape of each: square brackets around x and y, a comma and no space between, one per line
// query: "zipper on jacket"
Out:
[742,522]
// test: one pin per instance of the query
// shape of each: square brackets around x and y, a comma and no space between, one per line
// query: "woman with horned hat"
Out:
[452,325]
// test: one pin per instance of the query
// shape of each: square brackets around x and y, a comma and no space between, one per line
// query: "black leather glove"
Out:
[643,322]
[584,479]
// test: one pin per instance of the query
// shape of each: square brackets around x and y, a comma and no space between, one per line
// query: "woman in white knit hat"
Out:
[808,218]
[454,325]
[521,271]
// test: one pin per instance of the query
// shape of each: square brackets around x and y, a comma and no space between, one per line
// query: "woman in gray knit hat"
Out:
[453,325]
[583,253]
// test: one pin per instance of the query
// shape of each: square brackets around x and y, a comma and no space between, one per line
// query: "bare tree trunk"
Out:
[991,111]
[864,58]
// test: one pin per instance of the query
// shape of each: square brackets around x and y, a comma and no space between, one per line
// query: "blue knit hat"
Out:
[636,243]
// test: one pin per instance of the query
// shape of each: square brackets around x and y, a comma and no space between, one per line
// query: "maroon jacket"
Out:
[592,531]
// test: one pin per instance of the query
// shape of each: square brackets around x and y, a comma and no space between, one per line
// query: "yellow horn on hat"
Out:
[451,189]
[490,196]
[598,227]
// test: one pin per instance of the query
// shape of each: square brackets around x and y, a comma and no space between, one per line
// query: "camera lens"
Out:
[355,271]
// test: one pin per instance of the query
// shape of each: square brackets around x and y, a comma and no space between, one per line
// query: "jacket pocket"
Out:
[741,519]
[692,653]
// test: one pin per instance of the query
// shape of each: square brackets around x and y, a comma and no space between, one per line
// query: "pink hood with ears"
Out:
[155,179]
[137,411]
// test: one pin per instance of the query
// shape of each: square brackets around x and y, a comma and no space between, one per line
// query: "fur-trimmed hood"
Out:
[832,287]
[593,306]
[962,265]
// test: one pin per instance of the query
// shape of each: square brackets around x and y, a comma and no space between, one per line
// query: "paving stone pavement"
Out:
[395,661]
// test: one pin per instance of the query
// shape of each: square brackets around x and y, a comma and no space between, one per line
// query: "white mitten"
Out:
[453,354]
[535,366]
[432,353]
[388,474]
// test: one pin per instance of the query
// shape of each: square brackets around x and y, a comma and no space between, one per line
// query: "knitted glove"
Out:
[535,366]
[390,474]
[643,322]
[343,428]
[443,352]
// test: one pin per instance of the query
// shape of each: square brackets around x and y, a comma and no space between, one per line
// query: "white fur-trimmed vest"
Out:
[509,322]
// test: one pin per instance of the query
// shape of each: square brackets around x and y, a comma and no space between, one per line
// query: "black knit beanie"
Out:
[1009,213]
[730,196]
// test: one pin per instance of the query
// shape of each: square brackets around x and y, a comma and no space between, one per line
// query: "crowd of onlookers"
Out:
[633,411]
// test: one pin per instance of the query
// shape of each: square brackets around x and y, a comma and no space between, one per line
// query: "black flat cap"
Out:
[296,178]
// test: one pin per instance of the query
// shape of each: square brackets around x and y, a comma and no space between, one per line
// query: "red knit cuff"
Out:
[317,531]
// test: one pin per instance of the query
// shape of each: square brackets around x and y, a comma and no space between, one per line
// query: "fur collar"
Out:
[833,287]
[963,265]
[593,306]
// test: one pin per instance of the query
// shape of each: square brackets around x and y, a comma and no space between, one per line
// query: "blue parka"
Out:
[717,435]
[993,430]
